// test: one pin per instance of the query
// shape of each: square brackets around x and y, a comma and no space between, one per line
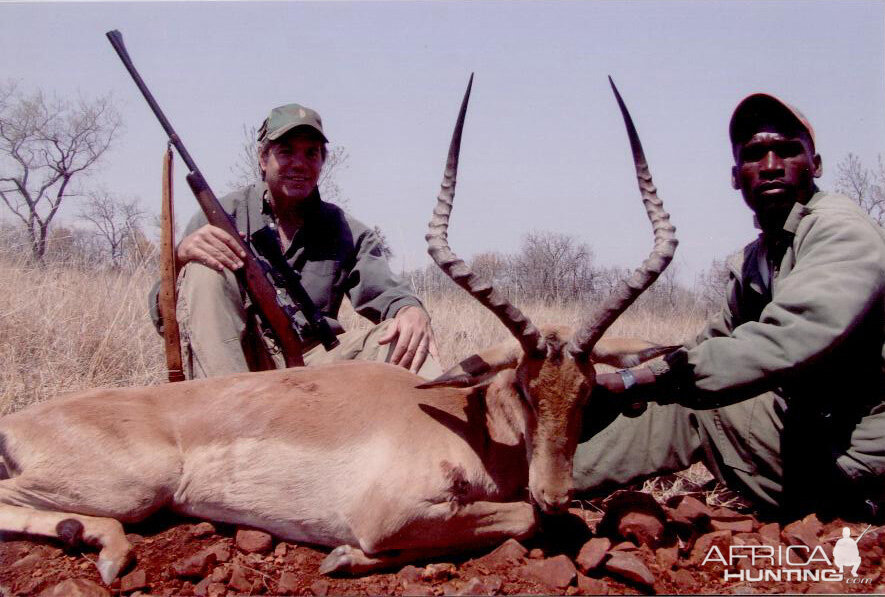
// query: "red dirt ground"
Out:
[665,541]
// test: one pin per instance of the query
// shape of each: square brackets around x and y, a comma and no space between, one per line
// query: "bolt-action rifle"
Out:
[252,274]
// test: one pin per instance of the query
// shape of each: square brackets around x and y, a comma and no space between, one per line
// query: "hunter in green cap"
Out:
[332,253]
[782,395]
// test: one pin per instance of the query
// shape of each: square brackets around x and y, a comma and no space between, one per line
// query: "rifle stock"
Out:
[167,299]
[259,288]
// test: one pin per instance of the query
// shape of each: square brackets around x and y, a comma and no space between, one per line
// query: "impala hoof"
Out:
[110,565]
[342,560]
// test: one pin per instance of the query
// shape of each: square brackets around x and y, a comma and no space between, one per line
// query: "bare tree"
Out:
[863,185]
[551,266]
[712,284]
[46,145]
[246,169]
[117,221]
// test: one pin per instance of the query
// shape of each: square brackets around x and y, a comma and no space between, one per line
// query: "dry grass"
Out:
[64,329]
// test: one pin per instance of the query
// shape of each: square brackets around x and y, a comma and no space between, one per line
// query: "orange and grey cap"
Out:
[285,118]
[762,108]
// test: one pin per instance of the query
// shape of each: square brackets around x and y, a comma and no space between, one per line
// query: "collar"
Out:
[311,203]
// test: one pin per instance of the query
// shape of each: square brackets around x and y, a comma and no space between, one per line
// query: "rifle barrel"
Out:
[116,39]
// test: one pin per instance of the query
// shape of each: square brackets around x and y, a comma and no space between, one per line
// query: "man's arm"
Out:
[377,294]
[837,278]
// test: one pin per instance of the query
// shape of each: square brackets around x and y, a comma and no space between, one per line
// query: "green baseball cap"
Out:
[285,118]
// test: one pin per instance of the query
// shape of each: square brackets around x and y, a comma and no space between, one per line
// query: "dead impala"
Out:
[356,455]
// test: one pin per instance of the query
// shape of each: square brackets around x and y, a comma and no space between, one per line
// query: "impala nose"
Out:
[552,501]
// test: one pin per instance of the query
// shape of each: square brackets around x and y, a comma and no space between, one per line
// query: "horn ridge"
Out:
[438,247]
[662,253]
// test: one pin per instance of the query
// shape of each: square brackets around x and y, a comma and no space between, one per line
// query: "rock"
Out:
[803,532]
[281,550]
[557,572]
[747,539]
[825,588]
[536,553]
[288,584]
[137,579]
[693,512]
[417,589]
[625,546]
[252,541]
[642,528]
[437,572]
[592,553]
[221,551]
[202,588]
[238,579]
[320,588]
[735,526]
[683,579]
[134,538]
[410,573]
[489,585]
[504,555]
[703,544]
[216,589]
[195,566]
[220,574]
[667,557]
[76,587]
[591,586]
[771,533]
[631,568]
[202,529]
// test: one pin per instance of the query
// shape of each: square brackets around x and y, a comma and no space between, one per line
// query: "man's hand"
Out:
[211,246]
[413,338]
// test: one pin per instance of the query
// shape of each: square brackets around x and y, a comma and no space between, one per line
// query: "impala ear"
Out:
[480,367]
[627,352]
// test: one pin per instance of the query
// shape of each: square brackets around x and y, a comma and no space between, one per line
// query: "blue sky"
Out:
[544,147]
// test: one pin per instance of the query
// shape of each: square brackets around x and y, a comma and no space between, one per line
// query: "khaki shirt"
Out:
[815,335]
[335,254]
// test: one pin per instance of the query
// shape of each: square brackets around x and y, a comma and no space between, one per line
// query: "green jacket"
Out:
[335,254]
[816,337]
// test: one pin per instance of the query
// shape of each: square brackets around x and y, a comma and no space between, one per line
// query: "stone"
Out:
[667,557]
[281,550]
[703,544]
[216,589]
[747,539]
[683,579]
[137,579]
[641,528]
[771,533]
[489,585]
[417,589]
[592,554]
[506,554]
[557,572]
[803,532]
[220,574]
[591,586]
[252,541]
[202,588]
[536,553]
[221,551]
[202,529]
[437,572]
[239,579]
[76,587]
[735,526]
[320,588]
[288,584]
[410,573]
[693,512]
[630,568]
[135,538]
[195,566]
[625,546]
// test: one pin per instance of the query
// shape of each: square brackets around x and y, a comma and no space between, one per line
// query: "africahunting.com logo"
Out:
[791,563]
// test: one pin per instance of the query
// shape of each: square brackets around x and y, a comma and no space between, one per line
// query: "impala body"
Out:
[362,456]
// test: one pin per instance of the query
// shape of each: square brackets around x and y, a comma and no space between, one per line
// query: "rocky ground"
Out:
[627,544]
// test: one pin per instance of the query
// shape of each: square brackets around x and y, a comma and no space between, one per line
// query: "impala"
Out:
[364,457]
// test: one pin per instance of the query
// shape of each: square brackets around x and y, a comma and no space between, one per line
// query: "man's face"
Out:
[292,167]
[774,170]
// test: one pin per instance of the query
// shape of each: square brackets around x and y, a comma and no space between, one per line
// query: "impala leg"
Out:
[443,529]
[105,533]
